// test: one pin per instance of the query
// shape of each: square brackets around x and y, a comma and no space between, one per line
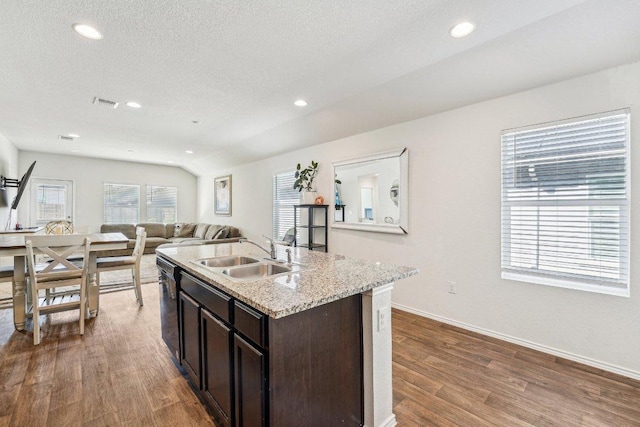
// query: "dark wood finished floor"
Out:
[120,373]
[447,376]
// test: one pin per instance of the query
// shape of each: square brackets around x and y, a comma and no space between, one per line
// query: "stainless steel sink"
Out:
[255,271]
[226,261]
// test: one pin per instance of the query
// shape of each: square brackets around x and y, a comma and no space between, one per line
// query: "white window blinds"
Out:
[162,204]
[121,204]
[51,202]
[565,204]
[284,197]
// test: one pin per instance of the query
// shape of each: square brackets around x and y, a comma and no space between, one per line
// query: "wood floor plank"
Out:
[414,414]
[469,403]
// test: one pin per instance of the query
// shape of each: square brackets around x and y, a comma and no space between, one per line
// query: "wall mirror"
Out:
[371,192]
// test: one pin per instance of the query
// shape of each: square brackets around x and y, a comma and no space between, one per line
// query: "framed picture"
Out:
[222,196]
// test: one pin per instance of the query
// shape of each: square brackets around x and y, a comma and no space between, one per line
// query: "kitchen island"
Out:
[307,347]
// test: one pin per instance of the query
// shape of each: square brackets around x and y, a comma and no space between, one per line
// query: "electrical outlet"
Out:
[452,287]
[384,316]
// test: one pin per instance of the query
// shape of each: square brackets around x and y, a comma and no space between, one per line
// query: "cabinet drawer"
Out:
[250,323]
[214,301]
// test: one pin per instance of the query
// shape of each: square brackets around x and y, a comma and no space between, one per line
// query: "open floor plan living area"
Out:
[319,213]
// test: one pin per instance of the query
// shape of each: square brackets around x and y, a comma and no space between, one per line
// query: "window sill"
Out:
[559,283]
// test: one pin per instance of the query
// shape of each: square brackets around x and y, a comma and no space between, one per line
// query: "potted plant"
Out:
[304,182]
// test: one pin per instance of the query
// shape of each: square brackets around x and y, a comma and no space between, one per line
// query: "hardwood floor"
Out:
[120,373]
[447,376]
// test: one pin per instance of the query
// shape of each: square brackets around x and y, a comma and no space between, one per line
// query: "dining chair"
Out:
[131,262]
[58,227]
[59,272]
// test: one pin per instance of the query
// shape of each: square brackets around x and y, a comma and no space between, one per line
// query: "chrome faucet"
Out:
[272,253]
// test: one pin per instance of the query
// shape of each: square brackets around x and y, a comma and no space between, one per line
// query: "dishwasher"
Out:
[168,282]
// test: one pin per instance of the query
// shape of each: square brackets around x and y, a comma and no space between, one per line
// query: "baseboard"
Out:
[570,356]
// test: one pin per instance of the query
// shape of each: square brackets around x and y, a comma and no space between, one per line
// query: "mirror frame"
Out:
[403,226]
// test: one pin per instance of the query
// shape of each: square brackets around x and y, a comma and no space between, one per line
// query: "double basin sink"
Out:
[244,268]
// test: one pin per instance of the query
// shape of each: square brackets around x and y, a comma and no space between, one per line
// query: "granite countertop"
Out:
[322,278]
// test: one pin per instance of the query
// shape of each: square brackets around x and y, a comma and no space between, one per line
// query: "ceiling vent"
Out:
[105,103]
[65,138]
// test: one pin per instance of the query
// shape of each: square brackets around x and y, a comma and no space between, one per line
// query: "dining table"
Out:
[13,245]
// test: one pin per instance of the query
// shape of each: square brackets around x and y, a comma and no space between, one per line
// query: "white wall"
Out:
[8,169]
[454,221]
[89,176]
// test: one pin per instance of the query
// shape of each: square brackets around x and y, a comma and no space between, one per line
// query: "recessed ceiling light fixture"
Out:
[87,31]
[462,29]
[300,103]
[189,151]
[195,122]
[74,135]
[133,104]
[170,161]
[73,150]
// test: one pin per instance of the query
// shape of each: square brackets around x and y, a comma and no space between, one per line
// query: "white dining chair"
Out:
[59,272]
[131,262]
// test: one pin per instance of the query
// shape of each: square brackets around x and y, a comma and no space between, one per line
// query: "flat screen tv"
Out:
[22,184]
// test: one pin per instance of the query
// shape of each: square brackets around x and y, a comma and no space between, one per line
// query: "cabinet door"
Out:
[190,337]
[217,366]
[250,384]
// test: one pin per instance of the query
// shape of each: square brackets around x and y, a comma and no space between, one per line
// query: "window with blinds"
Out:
[162,204]
[284,197]
[565,204]
[121,204]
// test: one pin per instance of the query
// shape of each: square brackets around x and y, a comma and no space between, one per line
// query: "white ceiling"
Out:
[237,67]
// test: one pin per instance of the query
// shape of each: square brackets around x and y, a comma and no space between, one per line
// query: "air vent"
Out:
[105,103]
[65,138]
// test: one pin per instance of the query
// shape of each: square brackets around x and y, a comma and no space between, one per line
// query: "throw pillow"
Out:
[184,229]
[212,231]
[222,234]
[201,230]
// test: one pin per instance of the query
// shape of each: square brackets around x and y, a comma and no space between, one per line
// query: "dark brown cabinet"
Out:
[221,352]
[190,336]
[250,384]
[255,371]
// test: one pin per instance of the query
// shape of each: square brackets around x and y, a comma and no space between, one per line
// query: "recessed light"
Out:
[188,151]
[300,103]
[131,150]
[74,135]
[462,29]
[87,31]
[170,161]
[133,104]
[195,122]
[73,150]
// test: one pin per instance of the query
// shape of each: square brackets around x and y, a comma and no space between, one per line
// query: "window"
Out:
[121,204]
[51,200]
[284,197]
[565,204]
[162,204]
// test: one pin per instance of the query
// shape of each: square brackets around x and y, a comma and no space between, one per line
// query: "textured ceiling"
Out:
[237,67]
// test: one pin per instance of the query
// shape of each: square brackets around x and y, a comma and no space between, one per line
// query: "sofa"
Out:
[176,234]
